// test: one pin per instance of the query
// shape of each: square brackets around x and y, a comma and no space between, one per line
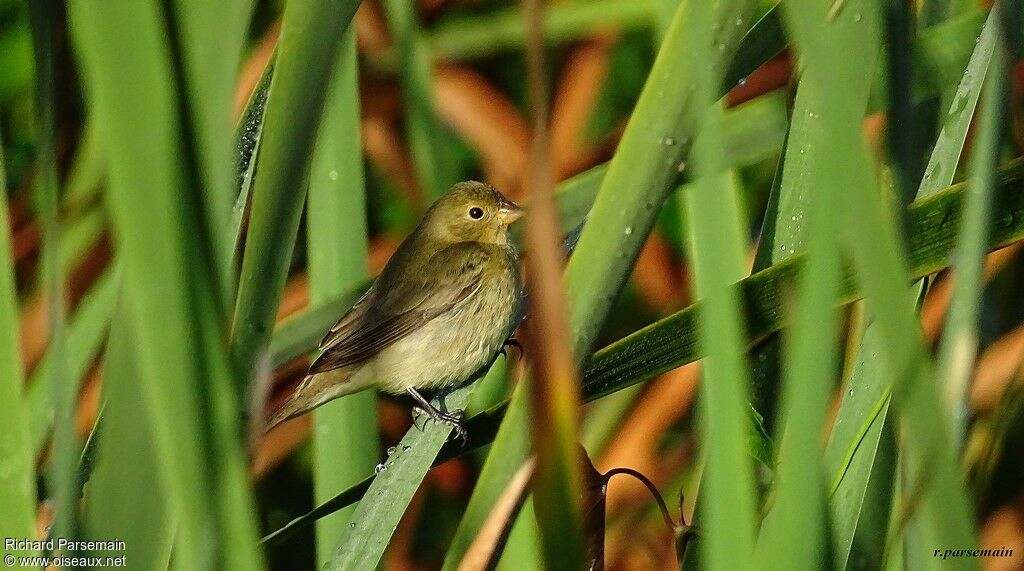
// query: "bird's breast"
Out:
[453,346]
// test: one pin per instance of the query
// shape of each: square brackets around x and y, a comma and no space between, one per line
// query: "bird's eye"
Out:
[476,213]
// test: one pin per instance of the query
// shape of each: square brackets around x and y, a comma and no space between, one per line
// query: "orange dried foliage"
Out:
[488,121]
[998,366]
[933,311]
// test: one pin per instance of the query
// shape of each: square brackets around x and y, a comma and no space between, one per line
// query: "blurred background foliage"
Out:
[429,92]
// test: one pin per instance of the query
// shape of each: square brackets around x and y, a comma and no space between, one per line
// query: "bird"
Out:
[443,308]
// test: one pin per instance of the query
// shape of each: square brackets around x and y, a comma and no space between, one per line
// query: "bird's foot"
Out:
[511,343]
[453,419]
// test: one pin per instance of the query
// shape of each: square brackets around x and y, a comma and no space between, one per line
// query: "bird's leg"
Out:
[511,342]
[454,419]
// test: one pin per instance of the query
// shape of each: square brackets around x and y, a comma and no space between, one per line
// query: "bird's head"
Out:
[471,212]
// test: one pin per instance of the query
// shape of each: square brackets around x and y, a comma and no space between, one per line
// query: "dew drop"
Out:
[352,525]
[406,447]
[681,167]
[742,81]
[333,175]
[379,468]
[739,21]
[391,450]
[628,230]
[857,17]
[668,141]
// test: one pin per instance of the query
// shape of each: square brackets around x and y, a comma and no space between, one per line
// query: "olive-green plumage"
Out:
[440,311]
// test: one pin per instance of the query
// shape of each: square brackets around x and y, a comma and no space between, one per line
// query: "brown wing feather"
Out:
[374,323]
[349,322]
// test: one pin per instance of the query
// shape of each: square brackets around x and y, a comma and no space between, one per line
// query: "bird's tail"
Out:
[313,391]
[297,404]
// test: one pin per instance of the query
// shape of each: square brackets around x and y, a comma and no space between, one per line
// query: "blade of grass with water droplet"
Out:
[638,180]
[310,35]
[959,343]
[795,530]
[860,446]
[671,342]
[363,541]
[345,441]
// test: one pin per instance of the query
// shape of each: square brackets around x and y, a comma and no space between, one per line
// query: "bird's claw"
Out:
[453,419]
[511,343]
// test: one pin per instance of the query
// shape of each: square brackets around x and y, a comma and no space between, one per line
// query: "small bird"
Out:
[441,311]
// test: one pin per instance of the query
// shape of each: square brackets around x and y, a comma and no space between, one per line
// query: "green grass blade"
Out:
[935,11]
[959,344]
[17,479]
[753,131]
[672,342]
[44,18]
[794,532]
[860,460]
[122,502]
[514,445]
[880,261]
[168,272]
[558,480]
[939,56]
[307,49]
[87,331]
[637,182]
[504,29]
[641,175]
[86,172]
[363,541]
[247,144]
[205,28]
[717,255]
[424,132]
[345,442]
[946,154]
[861,485]
[119,131]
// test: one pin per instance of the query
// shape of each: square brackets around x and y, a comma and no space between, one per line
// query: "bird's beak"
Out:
[509,211]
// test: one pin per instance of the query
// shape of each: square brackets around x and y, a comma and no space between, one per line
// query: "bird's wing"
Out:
[401,304]
[348,322]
